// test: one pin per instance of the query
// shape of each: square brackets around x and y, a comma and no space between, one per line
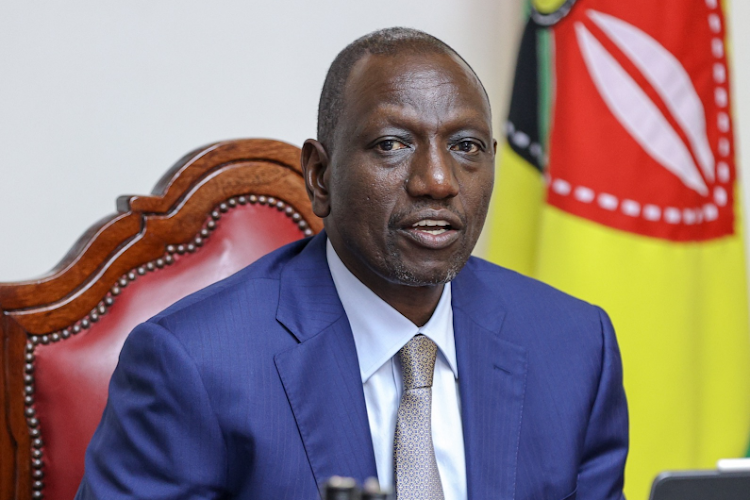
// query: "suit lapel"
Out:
[492,377]
[321,374]
[322,380]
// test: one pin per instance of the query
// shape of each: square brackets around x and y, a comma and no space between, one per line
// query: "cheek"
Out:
[374,194]
[362,201]
[477,193]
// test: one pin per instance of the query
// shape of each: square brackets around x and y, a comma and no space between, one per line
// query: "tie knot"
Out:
[418,362]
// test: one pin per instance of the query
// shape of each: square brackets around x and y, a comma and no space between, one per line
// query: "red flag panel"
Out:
[641,134]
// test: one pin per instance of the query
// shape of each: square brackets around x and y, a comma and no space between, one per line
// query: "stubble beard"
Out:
[403,275]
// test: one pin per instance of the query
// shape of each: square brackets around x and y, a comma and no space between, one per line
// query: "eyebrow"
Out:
[476,120]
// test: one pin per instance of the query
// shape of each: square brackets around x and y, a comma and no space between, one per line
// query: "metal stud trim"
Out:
[32,422]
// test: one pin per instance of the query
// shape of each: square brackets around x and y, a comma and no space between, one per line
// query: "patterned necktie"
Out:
[416,474]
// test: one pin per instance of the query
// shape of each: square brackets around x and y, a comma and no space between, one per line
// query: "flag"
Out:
[617,184]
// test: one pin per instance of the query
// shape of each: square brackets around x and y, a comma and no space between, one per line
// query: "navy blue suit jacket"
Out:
[251,389]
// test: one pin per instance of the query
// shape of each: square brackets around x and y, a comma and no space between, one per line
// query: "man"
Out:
[374,348]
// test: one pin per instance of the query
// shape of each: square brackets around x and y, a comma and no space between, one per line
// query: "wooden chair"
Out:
[217,210]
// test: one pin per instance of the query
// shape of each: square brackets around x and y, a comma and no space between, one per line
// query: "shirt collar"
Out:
[380,330]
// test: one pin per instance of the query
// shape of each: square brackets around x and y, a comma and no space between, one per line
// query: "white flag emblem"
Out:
[637,113]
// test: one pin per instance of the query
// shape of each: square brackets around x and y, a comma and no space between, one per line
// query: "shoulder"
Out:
[227,325]
[251,293]
[535,315]
[524,294]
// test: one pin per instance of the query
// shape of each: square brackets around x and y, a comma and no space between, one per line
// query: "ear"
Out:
[315,170]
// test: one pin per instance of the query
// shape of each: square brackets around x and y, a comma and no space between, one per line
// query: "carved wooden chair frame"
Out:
[147,233]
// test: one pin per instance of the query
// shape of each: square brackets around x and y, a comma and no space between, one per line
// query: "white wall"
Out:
[739,16]
[98,99]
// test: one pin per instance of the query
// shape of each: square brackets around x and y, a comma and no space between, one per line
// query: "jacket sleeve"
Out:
[601,471]
[158,437]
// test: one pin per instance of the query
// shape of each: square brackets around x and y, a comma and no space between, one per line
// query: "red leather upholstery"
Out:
[72,376]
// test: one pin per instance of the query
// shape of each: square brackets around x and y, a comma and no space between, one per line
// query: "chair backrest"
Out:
[216,211]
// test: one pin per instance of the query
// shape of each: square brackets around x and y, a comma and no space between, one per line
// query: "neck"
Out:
[416,303]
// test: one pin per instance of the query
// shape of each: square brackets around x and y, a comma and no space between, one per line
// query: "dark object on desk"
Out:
[341,488]
[345,488]
[701,485]
[376,496]
[216,211]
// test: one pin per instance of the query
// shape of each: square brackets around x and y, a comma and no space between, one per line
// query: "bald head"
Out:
[387,42]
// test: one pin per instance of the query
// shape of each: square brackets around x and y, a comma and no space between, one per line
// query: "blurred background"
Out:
[99,99]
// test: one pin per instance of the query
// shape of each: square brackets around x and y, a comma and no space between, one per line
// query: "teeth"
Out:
[431,223]
[432,226]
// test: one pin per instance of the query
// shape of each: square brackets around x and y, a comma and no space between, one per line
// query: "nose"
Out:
[432,175]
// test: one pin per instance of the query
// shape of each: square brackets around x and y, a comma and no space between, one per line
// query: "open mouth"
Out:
[432,226]
[433,229]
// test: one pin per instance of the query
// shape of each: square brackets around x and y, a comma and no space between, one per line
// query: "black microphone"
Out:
[372,491]
[345,488]
[341,488]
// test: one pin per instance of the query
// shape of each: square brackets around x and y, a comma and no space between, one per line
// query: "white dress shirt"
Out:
[379,333]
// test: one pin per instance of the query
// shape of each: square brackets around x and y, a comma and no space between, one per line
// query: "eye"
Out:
[390,145]
[469,147]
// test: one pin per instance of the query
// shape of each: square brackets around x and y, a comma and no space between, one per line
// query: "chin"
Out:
[404,275]
[423,270]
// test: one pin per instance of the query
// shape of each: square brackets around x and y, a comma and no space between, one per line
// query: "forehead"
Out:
[426,82]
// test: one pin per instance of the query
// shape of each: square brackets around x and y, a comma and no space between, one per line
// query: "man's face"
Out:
[411,172]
